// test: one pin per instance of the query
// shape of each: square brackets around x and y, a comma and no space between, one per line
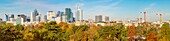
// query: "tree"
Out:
[164,32]
[19,27]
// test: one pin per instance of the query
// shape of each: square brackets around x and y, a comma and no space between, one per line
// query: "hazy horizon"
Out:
[115,9]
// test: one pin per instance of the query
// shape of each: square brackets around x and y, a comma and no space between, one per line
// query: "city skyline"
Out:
[115,9]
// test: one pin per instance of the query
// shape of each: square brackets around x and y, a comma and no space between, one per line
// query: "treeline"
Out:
[53,31]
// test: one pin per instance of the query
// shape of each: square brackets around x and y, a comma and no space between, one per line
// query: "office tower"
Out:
[11,19]
[69,15]
[51,15]
[38,18]
[28,19]
[61,13]
[45,18]
[24,17]
[1,19]
[19,20]
[58,14]
[12,16]
[106,18]
[7,17]
[64,18]
[58,19]
[98,18]
[33,15]
[79,14]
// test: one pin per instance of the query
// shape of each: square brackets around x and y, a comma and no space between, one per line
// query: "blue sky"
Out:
[116,9]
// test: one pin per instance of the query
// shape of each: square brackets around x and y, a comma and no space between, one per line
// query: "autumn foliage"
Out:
[53,31]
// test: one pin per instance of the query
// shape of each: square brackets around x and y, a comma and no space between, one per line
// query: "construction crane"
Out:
[144,16]
[144,13]
[160,16]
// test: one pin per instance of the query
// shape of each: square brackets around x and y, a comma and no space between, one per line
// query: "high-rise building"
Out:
[106,18]
[38,18]
[79,14]
[69,14]
[59,14]
[33,15]
[23,16]
[58,19]
[98,18]
[45,18]
[51,15]
[7,17]
[64,18]
[12,16]
[19,20]
[28,19]
[1,19]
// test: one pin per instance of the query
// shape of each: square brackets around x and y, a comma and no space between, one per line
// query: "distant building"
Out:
[6,17]
[79,14]
[98,18]
[69,14]
[59,14]
[51,15]
[23,16]
[58,19]
[64,18]
[45,18]
[1,19]
[28,19]
[38,18]
[106,18]
[33,15]
[12,16]
[12,19]
[19,20]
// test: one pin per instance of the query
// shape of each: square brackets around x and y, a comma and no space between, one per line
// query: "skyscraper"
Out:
[51,15]
[45,18]
[38,18]
[12,16]
[19,20]
[59,14]
[1,19]
[7,17]
[98,18]
[24,17]
[28,19]
[33,15]
[69,15]
[64,18]
[79,14]
[106,18]
[59,17]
